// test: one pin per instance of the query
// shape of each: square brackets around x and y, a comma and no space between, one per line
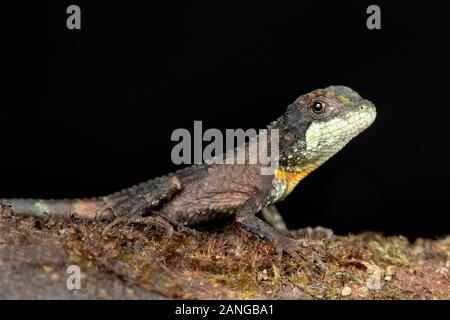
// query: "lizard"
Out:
[314,128]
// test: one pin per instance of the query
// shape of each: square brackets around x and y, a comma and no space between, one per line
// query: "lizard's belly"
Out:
[197,209]
[214,193]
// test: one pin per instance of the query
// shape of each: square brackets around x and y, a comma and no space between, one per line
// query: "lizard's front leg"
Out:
[245,216]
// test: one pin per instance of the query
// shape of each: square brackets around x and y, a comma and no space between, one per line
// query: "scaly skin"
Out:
[314,128]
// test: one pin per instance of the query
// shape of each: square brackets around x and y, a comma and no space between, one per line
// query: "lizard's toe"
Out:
[308,243]
[301,249]
[145,221]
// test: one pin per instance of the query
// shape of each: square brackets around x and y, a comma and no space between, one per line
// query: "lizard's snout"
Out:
[367,110]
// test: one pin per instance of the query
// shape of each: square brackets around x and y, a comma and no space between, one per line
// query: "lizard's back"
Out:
[214,191]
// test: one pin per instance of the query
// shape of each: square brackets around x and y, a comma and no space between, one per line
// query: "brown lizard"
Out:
[314,128]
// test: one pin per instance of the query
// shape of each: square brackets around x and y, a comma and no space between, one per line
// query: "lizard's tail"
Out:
[87,208]
[103,208]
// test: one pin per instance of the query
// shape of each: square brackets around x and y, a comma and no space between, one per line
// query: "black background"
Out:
[91,111]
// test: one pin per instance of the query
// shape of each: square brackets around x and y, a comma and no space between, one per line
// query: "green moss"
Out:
[389,252]
[243,283]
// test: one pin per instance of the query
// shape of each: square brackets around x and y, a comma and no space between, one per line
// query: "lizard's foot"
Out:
[318,233]
[146,221]
[123,217]
[301,249]
[178,226]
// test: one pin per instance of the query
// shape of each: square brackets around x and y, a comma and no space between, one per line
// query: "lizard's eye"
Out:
[317,107]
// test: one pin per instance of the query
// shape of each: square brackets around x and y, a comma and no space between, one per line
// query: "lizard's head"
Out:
[318,124]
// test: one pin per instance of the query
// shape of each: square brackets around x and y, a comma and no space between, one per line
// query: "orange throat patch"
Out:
[292,178]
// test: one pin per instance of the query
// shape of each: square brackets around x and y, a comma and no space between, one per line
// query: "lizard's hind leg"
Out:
[146,221]
[156,218]
[139,204]
[139,200]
